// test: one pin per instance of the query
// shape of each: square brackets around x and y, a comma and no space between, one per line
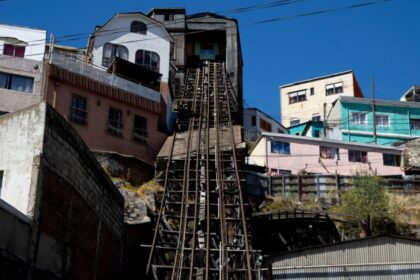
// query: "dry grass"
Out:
[405,208]
[148,188]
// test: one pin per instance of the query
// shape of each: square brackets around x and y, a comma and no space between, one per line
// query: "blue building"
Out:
[351,119]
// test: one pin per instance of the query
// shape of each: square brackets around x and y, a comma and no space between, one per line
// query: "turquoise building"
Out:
[351,119]
[310,128]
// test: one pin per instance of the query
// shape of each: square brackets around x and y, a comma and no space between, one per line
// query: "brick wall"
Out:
[80,207]
[66,154]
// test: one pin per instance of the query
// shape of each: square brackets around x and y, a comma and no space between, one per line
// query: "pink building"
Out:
[283,153]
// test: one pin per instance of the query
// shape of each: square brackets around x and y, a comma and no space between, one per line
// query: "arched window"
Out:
[148,59]
[111,51]
[138,27]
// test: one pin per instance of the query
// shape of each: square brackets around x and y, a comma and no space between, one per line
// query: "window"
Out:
[294,122]
[358,156]
[138,27]
[392,160]
[279,130]
[78,112]
[279,147]
[169,17]
[297,96]
[334,88]
[1,179]
[111,51]
[316,133]
[140,129]
[316,118]
[415,123]
[382,120]
[253,120]
[359,118]
[13,50]
[115,124]
[147,59]
[312,90]
[264,125]
[16,82]
[329,153]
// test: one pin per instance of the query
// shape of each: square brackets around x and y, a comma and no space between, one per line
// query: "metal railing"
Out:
[75,65]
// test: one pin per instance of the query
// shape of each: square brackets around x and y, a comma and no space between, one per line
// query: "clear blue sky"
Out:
[381,40]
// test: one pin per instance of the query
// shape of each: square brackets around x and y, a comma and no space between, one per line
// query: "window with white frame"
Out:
[112,50]
[297,96]
[382,120]
[359,118]
[358,156]
[335,88]
[147,59]
[279,147]
[329,153]
[14,50]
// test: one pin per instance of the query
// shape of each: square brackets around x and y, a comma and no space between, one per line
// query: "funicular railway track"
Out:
[201,227]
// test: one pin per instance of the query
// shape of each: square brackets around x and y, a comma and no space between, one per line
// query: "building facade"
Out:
[351,119]
[256,122]
[21,67]
[285,154]
[311,99]
[200,37]
[139,51]
[310,129]
[110,113]
[61,216]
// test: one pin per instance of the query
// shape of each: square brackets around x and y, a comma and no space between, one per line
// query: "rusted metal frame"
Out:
[244,225]
[162,206]
[197,166]
[219,180]
[207,246]
[178,261]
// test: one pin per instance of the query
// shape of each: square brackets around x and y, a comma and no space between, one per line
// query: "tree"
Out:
[367,203]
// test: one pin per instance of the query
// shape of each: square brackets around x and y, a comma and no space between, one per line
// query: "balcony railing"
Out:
[75,65]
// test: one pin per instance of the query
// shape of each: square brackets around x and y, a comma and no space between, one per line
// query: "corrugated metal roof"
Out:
[384,257]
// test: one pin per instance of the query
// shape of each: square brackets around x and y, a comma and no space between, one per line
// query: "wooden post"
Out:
[317,186]
[283,183]
[299,181]
[337,184]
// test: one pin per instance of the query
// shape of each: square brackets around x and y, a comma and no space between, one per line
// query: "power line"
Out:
[243,25]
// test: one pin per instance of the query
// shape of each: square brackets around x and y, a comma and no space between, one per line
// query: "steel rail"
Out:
[244,225]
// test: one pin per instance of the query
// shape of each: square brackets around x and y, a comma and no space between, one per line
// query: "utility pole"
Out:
[373,110]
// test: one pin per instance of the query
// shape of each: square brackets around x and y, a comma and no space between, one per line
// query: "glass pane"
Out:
[23,84]
[19,51]
[139,57]
[8,49]
[3,80]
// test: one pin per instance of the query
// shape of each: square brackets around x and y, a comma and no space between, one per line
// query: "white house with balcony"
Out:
[137,48]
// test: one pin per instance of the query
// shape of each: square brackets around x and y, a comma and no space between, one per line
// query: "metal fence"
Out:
[75,65]
[322,186]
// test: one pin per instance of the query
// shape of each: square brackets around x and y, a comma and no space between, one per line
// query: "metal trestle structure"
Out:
[201,227]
